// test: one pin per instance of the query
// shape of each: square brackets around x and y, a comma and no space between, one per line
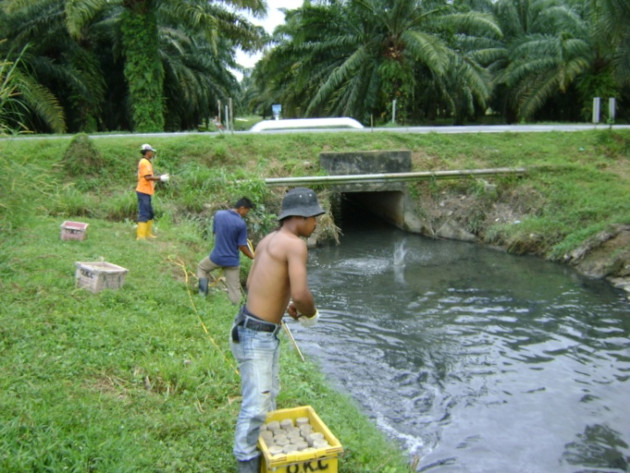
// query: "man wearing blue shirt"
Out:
[230,236]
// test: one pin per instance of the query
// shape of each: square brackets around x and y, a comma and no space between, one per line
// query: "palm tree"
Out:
[199,60]
[608,74]
[151,29]
[545,51]
[195,78]
[559,55]
[36,43]
[609,21]
[354,58]
[21,97]
[464,88]
[122,64]
[69,68]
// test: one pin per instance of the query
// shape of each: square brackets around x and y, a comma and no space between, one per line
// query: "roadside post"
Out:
[596,109]
[611,110]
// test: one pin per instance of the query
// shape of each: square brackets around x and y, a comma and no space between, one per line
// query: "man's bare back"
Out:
[279,274]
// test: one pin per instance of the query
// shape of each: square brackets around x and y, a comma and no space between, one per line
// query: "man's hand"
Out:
[309,321]
[292,310]
[164,177]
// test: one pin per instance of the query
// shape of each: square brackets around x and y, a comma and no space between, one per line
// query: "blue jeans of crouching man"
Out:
[257,353]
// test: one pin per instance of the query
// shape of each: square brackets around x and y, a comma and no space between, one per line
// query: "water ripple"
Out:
[488,362]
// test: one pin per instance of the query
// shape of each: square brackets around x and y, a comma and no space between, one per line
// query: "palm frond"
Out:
[81,13]
[41,101]
[336,78]
[427,49]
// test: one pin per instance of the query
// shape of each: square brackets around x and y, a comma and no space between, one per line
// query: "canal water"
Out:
[473,360]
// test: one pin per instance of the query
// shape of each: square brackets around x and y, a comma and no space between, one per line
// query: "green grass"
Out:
[129,380]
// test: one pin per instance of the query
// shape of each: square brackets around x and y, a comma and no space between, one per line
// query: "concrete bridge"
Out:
[376,181]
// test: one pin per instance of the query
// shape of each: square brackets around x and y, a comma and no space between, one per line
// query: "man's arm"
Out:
[151,177]
[146,170]
[246,251]
[301,296]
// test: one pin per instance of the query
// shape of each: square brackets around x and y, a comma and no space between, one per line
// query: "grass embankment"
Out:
[129,380]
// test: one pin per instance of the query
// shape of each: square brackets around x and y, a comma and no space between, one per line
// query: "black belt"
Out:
[259,325]
[246,319]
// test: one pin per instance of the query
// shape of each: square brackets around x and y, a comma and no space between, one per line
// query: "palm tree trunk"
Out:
[143,69]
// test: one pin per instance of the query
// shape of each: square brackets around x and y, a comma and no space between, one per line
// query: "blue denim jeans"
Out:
[257,354]
[145,209]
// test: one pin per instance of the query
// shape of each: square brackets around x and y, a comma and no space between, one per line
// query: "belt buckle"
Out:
[260,326]
[247,323]
[253,324]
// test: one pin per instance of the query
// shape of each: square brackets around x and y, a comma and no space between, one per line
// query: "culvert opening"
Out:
[365,209]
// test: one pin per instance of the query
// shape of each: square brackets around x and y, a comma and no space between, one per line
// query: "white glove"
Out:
[309,321]
[164,177]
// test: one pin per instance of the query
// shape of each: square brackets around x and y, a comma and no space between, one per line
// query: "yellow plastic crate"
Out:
[321,459]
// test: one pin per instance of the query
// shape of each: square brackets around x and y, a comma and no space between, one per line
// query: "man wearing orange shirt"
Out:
[144,190]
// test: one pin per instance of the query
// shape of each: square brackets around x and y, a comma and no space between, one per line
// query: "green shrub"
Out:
[70,201]
[82,158]
[121,206]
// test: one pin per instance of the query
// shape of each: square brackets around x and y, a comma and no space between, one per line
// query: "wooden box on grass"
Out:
[321,459]
[96,276]
[73,230]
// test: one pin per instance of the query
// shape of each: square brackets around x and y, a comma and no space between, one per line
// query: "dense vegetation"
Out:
[144,65]
[93,177]
[522,59]
[153,65]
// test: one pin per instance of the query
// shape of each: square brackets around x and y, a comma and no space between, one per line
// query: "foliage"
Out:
[528,60]
[586,187]
[143,70]
[21,94]
[82,157]
[7,94]
[93,60]
[367,54]
[87,66]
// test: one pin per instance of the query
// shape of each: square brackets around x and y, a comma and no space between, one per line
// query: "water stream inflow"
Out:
[471,359]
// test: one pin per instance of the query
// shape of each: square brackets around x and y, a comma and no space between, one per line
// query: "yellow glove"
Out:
[309,321]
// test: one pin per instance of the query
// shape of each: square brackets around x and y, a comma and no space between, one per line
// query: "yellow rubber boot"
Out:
[141,231]
[149,233]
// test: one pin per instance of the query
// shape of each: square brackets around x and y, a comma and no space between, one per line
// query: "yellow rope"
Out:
[182,265]
[293,342]
[217,279]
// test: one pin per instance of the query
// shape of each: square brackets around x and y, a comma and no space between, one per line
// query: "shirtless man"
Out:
[277,282]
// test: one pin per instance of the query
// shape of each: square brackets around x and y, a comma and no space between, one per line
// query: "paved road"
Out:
[505,128]
[414,129]
[457,129]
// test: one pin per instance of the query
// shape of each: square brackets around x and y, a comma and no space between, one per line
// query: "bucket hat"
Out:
[300,202]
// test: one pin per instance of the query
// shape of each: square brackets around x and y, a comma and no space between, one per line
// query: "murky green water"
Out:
[471,359]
